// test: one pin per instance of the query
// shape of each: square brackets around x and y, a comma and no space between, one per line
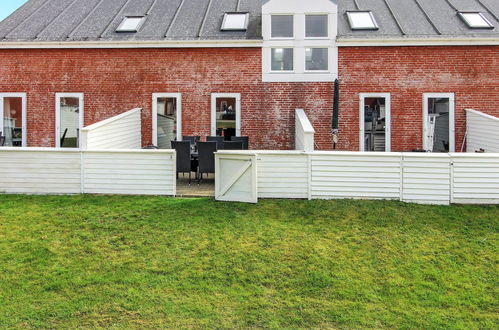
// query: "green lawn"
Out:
[109,261]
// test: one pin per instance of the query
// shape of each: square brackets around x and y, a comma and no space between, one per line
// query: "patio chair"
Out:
[233,145]
[184,163]
[2,140]
[206,152]
[218,139]
[243,139]
[192,139]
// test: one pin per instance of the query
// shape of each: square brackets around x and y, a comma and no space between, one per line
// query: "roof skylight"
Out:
[130,24]
[362,20]
[475,20]
[235,22]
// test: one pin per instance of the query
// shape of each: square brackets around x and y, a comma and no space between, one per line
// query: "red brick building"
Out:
[241,67]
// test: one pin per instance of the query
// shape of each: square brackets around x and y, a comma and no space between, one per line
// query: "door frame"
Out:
[388,118]
[178,97]
[214,97]
[58,96]
[452,114]
[24,116]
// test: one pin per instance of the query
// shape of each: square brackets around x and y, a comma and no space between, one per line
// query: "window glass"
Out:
[316,59]
[282,59]
[226,117]
[166,121]
[282,26]
[316,26]
[69,122]
[12,121]
[476,20]
[375,124]
[235,21]
[438,124]
[362,20]
[130,24]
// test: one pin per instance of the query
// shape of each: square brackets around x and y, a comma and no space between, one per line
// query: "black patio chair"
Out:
[206,152]
[233,145]
[2,140]
[243,139]
[191,139]
[184,163]
[218,139]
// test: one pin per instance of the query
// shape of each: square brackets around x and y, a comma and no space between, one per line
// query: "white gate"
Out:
[236,178]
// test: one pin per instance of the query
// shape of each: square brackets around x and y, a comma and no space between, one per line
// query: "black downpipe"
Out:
[336,109]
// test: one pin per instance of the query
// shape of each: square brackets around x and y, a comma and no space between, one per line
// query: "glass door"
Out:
[69,120]
[226,115]
[167,119]
[438,122]
[13,115]
[375,122]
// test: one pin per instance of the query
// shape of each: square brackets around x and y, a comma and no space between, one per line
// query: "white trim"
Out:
[58,96]
[388,119]
[131,44]
[155,96]
[214,97]
[389,42]
[24,126]
[452,115]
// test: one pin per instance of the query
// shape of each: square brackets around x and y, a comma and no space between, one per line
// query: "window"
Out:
[235,22]
[316,59]
[167,119]
[475,20]
[375,122]
[226,115]
[130,24]
[69,119]
[316,26]
[362,20]
[438,122]
[282,59]
[282,26]
[13,119]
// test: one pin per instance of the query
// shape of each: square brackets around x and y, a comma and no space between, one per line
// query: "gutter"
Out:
[401,42]
[132,44]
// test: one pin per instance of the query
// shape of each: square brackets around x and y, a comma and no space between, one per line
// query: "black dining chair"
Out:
[233,145]
[243,139]
[191,139]
[206,156]
[184,163]
[218,139]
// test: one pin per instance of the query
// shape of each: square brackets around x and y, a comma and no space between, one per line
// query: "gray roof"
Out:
[97,20]
[419,18]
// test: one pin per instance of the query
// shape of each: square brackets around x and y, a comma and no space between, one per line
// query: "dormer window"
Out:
[281,26]
[362,20]
[235,22]
[131,24]
[475,20]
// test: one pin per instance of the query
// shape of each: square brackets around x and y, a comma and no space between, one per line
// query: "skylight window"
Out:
[235,22]
[362,20]
[130,24]
[475,20]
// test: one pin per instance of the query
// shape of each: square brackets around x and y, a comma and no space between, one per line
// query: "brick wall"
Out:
[121,79]
[471,72]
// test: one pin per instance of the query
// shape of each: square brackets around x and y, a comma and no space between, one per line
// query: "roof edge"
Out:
[393,42]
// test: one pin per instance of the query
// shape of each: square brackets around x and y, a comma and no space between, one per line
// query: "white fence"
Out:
[73,171]
[482,132]
[123,131]
[304,132]
[427,178]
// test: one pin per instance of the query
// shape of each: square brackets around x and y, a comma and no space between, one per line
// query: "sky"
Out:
[7,7]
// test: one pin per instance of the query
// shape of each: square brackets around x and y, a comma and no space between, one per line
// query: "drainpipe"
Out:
[336,108]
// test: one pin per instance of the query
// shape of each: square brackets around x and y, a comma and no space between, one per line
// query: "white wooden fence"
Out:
[482,132]
[427,178]
[304,132]
[74,171]
[123,131]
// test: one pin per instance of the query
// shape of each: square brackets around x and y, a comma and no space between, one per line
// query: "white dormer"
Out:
[299,40]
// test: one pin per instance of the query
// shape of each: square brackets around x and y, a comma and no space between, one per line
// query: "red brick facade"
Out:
[472,73]
[114,81]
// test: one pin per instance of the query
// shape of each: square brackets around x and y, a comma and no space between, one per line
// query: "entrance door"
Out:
[438,122]
[226,115]
[375,122]
[167,119]
[13,119]
[235,178]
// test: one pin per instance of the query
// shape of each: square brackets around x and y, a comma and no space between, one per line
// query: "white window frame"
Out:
[452,115]
[373,19]
[58,97]
[24,116]
[305,27]
[388,118]
[283,71]
[155,96]
[120,28]
[293,26]
[214,97]
[243,28]
[488,26]
[316,71]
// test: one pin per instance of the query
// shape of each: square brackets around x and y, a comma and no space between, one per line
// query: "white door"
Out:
[235,178]
[438,122]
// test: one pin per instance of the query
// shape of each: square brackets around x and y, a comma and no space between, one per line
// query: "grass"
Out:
[121,262]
